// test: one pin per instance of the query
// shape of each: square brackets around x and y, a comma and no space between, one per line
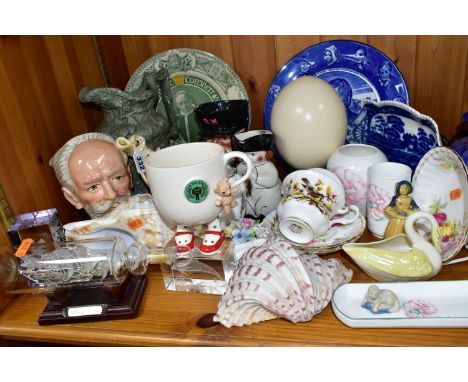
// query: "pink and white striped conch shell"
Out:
[277,282]
[135,219]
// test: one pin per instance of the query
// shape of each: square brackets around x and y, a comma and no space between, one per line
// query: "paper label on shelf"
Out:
[23,248]
[89,310]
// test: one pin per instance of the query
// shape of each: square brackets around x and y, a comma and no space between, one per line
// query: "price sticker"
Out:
[134,224]
[23,248]
[139,163]
[456,194]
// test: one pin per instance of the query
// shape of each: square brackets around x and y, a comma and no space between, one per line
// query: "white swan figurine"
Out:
[404,257]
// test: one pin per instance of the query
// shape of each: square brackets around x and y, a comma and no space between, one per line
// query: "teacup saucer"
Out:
[332,241]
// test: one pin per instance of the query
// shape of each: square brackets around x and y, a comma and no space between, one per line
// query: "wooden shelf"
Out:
[169,318]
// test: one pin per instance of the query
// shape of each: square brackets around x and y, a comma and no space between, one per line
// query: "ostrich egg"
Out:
[309,121]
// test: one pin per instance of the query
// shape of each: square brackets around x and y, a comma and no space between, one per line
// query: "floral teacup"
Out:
[311,198]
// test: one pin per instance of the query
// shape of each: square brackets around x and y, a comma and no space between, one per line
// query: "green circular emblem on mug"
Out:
[196,191]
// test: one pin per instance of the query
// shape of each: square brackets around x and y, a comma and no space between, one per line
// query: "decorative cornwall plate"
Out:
[357,71]
[440,187]
[196,77]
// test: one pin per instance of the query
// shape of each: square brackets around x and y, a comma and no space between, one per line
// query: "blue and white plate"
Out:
[356,70]
[401,132]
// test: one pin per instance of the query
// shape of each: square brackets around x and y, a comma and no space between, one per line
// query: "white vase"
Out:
[350,163]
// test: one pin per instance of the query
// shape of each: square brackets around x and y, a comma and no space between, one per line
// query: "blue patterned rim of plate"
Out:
[356,70]
[401,132]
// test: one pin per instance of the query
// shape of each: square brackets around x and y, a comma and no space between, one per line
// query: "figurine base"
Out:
[207,274]
[96,304]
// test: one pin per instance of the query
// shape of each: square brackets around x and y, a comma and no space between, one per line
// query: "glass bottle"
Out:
[64,265]
[51,266]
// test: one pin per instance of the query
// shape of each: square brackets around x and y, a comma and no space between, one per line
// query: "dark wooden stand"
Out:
[102,303]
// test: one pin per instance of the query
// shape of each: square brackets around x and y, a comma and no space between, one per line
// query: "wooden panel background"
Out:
[434,67]
[40,78]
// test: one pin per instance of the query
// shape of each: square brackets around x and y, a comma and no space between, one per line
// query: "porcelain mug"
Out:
[182,179]
[382,178]
[350,163]
[311,200]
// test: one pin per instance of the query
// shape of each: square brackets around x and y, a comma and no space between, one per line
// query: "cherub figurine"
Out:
[401,206]
[224,191]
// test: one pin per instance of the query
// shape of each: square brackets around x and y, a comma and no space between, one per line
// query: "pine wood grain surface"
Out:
[256,78]
[40,78]
[168,318]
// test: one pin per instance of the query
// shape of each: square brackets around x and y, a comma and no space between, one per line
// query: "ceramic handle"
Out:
[436,235]
[344,210]
[246,159]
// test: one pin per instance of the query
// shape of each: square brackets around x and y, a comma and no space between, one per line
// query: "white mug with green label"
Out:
[183,178]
